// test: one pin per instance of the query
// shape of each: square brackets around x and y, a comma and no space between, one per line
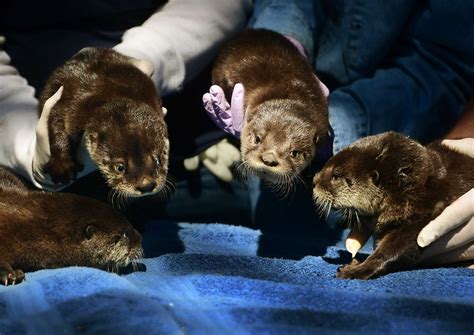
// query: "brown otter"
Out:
[399,185]
[41,230]
[286,117]
[117,111]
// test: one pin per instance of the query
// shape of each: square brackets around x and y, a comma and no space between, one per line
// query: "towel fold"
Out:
[218,285]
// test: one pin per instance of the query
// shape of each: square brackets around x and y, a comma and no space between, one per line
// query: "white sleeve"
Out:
[182,37]
[18,118]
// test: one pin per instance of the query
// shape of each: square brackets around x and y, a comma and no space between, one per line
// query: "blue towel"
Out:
[214,282]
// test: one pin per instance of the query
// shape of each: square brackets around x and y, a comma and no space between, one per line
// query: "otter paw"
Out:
[11,277]
[62,171]
[354,271]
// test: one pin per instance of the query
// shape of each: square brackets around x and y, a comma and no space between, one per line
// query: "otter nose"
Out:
[146,186]
[269,159]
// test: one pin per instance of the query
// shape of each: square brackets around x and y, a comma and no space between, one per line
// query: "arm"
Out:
[18,118]
[24,144]
[182,37]
[294,19]
[416,95]
[450,237]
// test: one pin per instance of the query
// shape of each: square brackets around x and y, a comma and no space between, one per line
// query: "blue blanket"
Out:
[218,285]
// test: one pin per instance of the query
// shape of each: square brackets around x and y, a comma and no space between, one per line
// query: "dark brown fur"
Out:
[399,184]
[40,230]
[285,109]
[116,107]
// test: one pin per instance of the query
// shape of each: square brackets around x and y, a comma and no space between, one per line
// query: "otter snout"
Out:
[269,159]
[146,185]
[320,177]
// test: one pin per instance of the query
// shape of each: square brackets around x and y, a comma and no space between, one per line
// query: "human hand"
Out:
[228,117]
[217,158]
[42,149]
[450,237]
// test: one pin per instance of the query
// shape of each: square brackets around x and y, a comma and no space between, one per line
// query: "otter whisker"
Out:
[242,172]
[359,224]
[329,209]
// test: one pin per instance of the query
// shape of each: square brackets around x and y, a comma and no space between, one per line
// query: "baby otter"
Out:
[398,184]
[115,108]
[40,230]
[286,118]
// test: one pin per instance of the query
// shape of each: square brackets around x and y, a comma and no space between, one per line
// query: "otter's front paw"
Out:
[354,270]
[62,170]
[11,277]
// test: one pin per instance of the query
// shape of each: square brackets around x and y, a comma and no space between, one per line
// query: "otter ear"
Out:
[90,231]
[374,175]
[404,174]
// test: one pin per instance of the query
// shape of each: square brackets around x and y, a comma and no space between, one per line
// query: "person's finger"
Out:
[237,107]
[207,102]
[356,240]
[211,153]
[223,117]
[42,137]
[192,163]
[323,87]
[450,241]
[219,101]
[224,156]
[143,65]
[453,216]
[228,151]
[49,104]
[464,253]
[213,109]
[465,145]
[219,170]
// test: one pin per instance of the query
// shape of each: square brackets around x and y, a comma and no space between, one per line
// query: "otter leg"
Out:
[8,276]
[396,251]
[63,164]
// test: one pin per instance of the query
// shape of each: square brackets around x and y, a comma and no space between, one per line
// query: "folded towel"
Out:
[214,283]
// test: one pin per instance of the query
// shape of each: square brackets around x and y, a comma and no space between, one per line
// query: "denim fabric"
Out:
[292,18]
[404,65]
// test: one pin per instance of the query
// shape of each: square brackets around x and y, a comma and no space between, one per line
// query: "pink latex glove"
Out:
[229,118]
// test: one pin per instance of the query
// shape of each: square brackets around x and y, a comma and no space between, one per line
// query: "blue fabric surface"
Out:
[219,286]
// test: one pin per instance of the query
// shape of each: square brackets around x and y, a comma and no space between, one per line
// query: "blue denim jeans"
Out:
[406,66]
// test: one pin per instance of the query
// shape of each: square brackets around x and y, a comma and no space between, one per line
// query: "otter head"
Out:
[112,241]
[375,176]
[276,144]
[129,143]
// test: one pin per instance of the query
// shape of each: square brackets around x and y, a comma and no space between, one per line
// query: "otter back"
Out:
[401,186]
[50,230]
[115,108]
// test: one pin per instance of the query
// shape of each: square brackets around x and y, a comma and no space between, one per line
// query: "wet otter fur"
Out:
[43,230]
[286,118]
[397,184]
[114,107]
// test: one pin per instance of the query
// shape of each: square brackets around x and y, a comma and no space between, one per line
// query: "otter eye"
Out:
[295,153]
[124,235]
[348,181]
[120,168]
[336,174]
[257,139]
